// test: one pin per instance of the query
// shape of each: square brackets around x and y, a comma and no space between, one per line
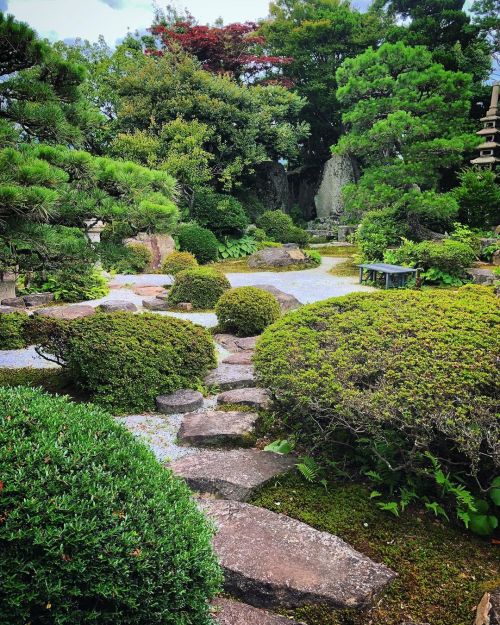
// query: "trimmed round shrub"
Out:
[448,256]
[178,261]
[93,529]
[201,242]
[202,287]
[246,311]
[386,377]
[279,227]
[13,330]
[124,360]
[223,214]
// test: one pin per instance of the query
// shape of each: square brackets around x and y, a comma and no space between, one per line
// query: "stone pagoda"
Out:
[489,151]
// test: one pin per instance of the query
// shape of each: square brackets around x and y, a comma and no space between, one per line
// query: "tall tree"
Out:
[318,35]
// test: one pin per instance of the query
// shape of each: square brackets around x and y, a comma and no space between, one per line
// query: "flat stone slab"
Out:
[184,400]
[229,612]
[117,305]
[7,310]
[286,300]
[239,358]
[234,474]
[217,427]
[227,377]
[156,303]
[14,302]
[255,397]
[38,299]
[66,312]
[248,342]
[294,564]
[149,291]
[235,344]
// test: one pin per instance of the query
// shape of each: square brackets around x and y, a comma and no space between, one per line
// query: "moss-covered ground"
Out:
[442,570]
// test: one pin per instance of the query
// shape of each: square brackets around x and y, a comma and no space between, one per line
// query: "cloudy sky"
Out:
[67,19]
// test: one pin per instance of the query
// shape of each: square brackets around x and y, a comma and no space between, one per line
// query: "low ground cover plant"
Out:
[124,360]
[75,284]
[400,386]
[246,310]
[201,286]
[94,529]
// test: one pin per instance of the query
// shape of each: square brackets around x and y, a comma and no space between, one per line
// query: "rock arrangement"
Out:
[270,561]
[285,256]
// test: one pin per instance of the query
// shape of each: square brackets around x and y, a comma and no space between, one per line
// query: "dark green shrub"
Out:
[379,379]
[246,311]
[94,529]
[126,360]
[223,214]
[53,380]
[202,287]
[201,242]
[478,197]
[178,261]
[448,256]
[77,283]
[13,330]
[279,227]
[377,231]
[125,259]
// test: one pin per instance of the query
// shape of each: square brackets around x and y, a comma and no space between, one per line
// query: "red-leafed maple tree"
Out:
[234,49]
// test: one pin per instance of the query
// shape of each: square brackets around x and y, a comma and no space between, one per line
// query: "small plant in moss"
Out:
[202,287]
[176,262]
[13,330]
[246,311]
[93,529]
[201,242]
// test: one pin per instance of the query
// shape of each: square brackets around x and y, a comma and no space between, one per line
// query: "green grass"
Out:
[338,251]
[442,570]
[346,268]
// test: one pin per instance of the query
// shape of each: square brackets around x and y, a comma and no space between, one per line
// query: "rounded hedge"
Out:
[279,227]
[391,374]
[246,311]
[93,529]
[449,256]
[13,330]
[178,261]
[199,241]
[223,214]
[124,360]
[202,287]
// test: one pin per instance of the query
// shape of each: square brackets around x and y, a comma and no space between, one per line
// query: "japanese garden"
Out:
[249,316]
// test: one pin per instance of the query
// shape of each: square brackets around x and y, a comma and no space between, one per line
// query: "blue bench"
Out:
[395,275]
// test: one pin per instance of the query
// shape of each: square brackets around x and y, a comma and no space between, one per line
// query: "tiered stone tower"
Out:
[489,151]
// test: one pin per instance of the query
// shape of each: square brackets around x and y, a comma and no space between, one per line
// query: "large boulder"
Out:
[160,245]
[14,302]
[286,301]
[485,277]
[338,172]
[38,299]
[277,257]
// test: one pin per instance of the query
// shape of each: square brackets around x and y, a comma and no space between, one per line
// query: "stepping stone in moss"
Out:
[240,358]
[229,612]
[218,428]
[233,474]
[294,564]
[255,397]
[227,377]
[184,400]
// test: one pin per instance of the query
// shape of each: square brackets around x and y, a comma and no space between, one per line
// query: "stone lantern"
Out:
[489,150]
[94,229]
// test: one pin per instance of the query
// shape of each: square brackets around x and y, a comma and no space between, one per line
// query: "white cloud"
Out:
[115,4]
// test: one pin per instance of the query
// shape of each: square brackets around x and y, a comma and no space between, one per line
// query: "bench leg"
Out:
[387,280]
[361,275]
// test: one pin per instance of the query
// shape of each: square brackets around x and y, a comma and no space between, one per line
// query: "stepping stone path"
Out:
[269,560]
[117,305]
[234,474]
[255,397]
[228,612]
[76,311]
[184,400]
[227,377]
[294,564]
[218,428]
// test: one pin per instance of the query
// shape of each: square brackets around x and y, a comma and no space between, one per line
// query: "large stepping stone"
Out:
[216,427]
[270,560]
[235,344]
[240,358]
[286,300]
[248,342]
[183,400]
[116,305]
[255,397]
[155,304]
[14,302]
[227,377]
[7,310]
[234,474]
[77,311]
[229,612]
[38,299]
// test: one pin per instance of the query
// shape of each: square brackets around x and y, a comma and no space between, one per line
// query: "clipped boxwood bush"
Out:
[246,310]
[201,242]
[13,330]
[449,256]
[201,286]
[124,360]
[279,227]
[178,261]
[223,214]
[390,376]
[93,529]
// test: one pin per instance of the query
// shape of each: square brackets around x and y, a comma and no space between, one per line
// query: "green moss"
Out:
[338,251]
[442,571]
[345,269]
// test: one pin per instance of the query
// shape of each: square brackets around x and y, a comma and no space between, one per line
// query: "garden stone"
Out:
[186,306]
[184,400]
[485,277]
[7,310]
[14,302]
[160,246]
[227,377]
[78,311]
[240,358]
[218,428]
[495,259]
[155,304]
[487,241]
[38,299]
[255,397]
[488,609]
[117,305]
[149,291]
[294,564]
[285,300]
[234,344]
[233,474]
[277,257]
[248,342]
[229,612]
